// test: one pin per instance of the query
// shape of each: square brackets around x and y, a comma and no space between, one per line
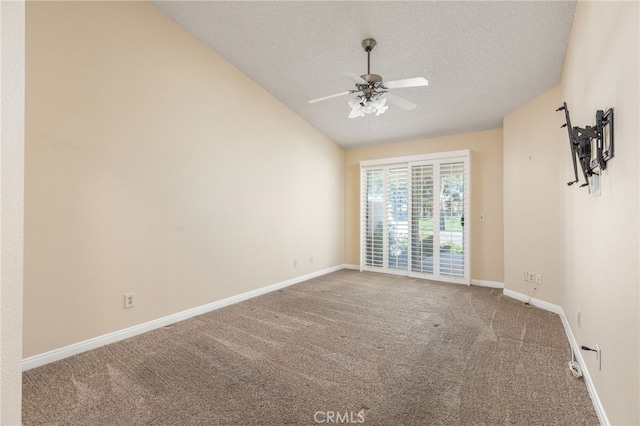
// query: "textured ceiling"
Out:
[482,59]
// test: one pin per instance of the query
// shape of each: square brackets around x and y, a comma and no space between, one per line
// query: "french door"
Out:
[413,216]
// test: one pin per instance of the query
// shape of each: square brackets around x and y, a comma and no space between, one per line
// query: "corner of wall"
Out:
[531,197]
[12,31]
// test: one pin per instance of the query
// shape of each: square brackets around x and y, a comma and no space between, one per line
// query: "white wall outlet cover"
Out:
[129,300]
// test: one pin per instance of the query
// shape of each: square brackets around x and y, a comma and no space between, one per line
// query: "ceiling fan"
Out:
[371,93]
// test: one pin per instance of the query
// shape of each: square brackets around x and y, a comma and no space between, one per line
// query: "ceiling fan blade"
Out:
[355,77]
[407,82]
[329,97]
[401,102]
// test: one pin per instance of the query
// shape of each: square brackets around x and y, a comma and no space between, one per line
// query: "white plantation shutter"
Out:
[373,223]
[413,214]
[452,219]
[422,218]
[385,218]
[397,216]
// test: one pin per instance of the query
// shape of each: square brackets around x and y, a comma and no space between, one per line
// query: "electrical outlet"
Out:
[579,319]
[539,279]
[599,356]
[531,277]
[295,263]
[310,259]
[129,300]
[525,276]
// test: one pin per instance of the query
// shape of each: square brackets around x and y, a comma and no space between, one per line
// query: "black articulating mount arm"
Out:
[580,142]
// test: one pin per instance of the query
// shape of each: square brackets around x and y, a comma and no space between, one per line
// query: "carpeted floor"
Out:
[346,348]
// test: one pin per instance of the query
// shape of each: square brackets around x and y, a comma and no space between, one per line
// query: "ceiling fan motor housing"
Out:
[372,78]
[374,84]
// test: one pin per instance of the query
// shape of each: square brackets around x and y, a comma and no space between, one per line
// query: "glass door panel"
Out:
[451,226]
[397,218]
[374,218]
[422,219]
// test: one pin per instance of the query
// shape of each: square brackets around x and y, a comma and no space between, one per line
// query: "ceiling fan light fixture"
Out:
[370,89]
[356,108]
[361,107]
[380,104]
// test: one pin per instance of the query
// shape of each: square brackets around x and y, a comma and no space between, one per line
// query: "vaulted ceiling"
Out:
[483,59]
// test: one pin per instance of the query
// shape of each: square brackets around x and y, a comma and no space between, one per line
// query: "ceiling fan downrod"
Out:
[368,44]
[372,80]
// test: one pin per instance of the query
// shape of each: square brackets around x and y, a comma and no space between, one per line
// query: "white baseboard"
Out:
[96,342]
[535,302]
[484,283]
[597,404]
[351,266]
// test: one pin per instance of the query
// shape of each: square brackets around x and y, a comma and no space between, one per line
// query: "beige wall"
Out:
[153,166]
[486,194]
[600,242]
[595,239]
[532,185]
[12,27]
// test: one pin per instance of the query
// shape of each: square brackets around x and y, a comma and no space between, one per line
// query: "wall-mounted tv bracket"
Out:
[592,157]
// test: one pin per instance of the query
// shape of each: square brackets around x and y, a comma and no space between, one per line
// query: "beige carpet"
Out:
[346,348]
